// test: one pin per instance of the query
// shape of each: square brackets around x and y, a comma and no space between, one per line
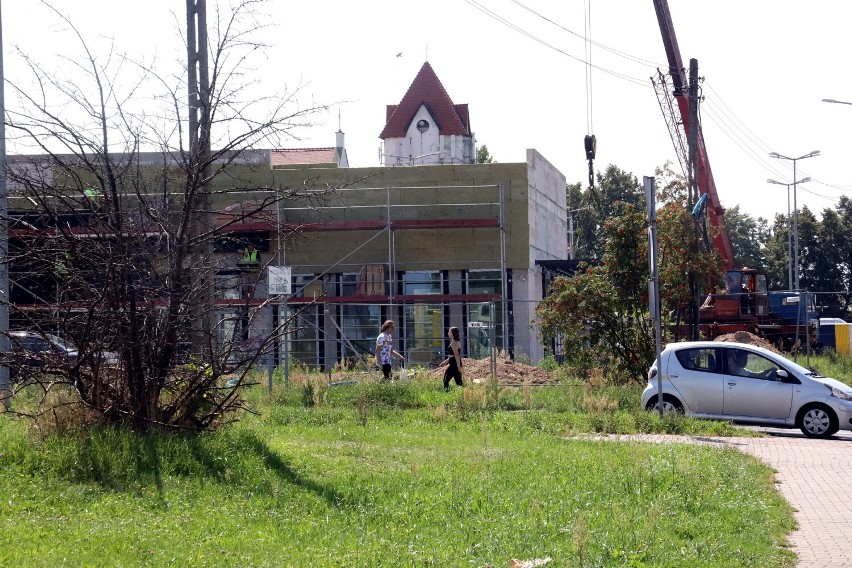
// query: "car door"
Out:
[757,392]
[694,372]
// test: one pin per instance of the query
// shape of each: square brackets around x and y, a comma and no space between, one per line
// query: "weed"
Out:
[314,391]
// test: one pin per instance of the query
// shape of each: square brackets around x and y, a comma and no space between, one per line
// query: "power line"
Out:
[627,56]
[530,35]
[719,113]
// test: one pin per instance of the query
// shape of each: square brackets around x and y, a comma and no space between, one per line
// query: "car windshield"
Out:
[61,343]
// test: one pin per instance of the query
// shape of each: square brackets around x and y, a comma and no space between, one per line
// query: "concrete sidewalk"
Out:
[815,476]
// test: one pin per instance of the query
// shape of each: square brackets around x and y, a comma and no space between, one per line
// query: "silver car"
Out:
[746,383]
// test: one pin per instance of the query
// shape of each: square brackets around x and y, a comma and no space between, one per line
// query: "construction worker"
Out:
[250,258]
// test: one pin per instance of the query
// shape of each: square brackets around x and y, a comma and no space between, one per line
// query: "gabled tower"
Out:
[426,127]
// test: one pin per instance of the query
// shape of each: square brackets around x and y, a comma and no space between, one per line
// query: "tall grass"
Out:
[397,474]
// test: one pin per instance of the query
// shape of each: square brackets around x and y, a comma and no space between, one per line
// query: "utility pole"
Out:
[692,141]
[5,385]
[198,83]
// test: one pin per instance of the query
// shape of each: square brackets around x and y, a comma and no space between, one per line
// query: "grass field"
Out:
[392,475]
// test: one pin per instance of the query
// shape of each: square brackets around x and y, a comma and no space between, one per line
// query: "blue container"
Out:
[827,336]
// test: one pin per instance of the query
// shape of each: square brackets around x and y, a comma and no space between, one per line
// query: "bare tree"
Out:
[117,223]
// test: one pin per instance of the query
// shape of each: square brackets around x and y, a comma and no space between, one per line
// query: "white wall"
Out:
[429,147]
[548,226]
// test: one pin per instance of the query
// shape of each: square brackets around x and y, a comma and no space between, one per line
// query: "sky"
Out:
[521,66]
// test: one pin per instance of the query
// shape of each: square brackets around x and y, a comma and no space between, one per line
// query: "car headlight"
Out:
[841,394]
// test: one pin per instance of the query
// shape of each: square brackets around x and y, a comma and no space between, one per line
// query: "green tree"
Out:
[615,190]
[483,156]
[809,248]
[607,301]
[836,236]
[748,238]
[830,264]
[776,254]
[613,295]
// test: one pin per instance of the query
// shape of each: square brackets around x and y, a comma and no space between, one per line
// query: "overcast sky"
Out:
[520,66]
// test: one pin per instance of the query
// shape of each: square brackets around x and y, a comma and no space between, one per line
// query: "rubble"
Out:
[508,372]
[749,338]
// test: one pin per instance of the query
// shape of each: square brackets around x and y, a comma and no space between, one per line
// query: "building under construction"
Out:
[430,240]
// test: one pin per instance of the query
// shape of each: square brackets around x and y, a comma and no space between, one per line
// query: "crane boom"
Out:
[703,173]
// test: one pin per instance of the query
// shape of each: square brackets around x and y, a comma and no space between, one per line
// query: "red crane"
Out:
[786,317]
[677,129]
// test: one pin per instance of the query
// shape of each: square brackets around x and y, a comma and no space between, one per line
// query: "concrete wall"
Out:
[548,229]
[468,191]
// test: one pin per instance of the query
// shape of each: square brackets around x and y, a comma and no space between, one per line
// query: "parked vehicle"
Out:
[745,383]
[31,352]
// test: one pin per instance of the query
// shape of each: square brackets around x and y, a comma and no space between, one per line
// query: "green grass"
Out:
[392,475]
[830,364]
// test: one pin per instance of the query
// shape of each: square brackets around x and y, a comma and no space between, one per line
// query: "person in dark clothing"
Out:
[453,362]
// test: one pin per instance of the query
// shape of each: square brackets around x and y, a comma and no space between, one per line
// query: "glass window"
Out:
[424,328]
[484,282]
[733,282]
[304,333]
[230,327]
[306,285]
[422,283]
[348,284]
[227,286]
[703,359]
[360,327]
[484,319]
[744,363]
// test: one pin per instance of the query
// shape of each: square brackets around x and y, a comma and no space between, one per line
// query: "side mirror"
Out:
[786,377]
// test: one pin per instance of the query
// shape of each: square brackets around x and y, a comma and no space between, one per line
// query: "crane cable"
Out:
[590,141]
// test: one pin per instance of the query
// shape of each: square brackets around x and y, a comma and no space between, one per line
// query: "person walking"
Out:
[453,362]
[384,349]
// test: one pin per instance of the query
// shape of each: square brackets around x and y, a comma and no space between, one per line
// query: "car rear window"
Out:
[698,359]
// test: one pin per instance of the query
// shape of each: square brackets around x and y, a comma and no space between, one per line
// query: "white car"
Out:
[745,383]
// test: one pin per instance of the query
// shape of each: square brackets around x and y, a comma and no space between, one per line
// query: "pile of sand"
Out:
[746,337]
[508,372]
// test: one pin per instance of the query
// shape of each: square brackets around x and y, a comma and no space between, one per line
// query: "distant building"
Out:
[426,127]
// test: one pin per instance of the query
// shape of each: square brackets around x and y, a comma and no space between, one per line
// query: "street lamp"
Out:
[789,233]
[834,101]
[795,206]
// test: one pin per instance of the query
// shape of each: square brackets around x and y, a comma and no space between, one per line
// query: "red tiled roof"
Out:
[426,89]
[302,156]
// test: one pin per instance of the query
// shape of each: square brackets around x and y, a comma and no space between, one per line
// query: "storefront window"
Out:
[360,325]
[485,319]
[304,336]
[422,283]
[306,286]
[424,332]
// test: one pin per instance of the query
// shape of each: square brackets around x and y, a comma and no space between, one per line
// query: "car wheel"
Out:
[818,421]
[670,404]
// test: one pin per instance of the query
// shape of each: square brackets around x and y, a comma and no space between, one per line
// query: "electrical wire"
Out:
[633,58]
[491,14]
[587,25]
[719,113]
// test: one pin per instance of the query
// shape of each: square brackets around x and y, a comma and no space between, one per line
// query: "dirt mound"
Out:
[746,337]
[508,372]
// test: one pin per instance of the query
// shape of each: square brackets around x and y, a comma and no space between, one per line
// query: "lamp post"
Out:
[795,207]
[789,233]
[836,102]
